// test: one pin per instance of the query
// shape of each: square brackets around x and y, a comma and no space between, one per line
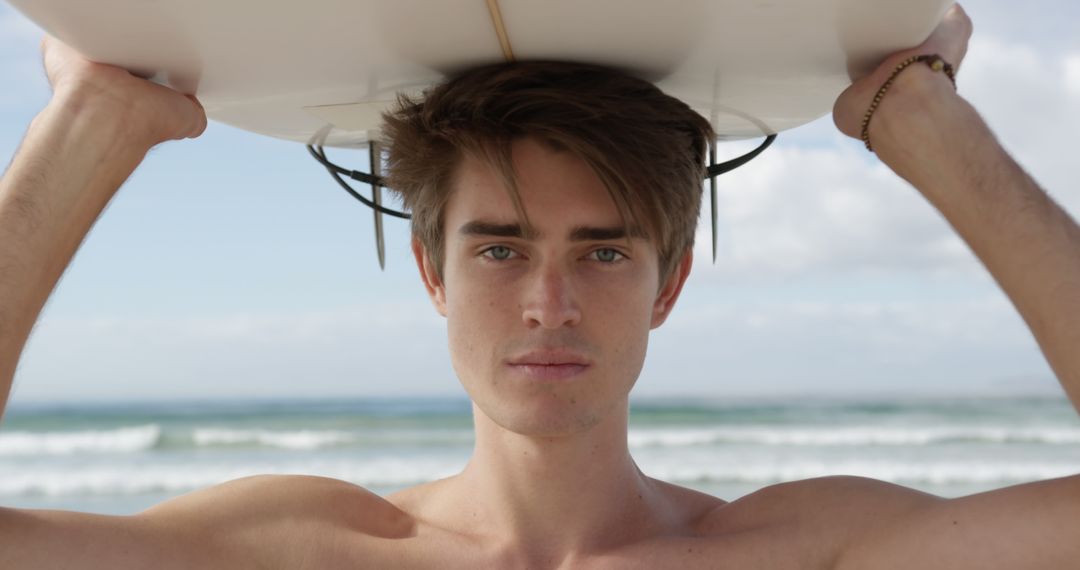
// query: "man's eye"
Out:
[498,253]
[607,255]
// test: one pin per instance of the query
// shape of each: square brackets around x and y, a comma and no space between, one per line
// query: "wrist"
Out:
[86,144]
[934,61]
[103,116]
[915,124]
[916,94]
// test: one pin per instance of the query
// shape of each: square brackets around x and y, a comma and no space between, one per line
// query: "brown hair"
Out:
[648,148]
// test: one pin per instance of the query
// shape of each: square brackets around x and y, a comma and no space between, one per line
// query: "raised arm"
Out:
[936,141]
[96,129]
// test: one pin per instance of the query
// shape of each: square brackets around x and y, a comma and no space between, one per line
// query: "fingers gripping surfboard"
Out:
[321,72]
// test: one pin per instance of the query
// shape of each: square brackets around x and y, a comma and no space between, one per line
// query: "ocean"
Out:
[123,458]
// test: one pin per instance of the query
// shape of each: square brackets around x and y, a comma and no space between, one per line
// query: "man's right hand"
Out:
[151,113]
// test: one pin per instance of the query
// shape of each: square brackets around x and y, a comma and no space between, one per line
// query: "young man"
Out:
[550,272]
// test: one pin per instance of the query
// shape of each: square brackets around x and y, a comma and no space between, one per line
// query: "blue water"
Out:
[123,458]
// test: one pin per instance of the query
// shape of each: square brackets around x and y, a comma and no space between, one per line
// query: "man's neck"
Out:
[561,495]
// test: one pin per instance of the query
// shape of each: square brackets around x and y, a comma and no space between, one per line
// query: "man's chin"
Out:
[550,428]
[549,416]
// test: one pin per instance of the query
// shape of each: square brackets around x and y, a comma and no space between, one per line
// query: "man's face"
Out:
[547,330]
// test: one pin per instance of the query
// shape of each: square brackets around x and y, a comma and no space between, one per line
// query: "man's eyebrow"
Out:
[586,233]
[482,228]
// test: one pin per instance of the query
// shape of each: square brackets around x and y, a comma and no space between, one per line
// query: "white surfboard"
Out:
[327,68]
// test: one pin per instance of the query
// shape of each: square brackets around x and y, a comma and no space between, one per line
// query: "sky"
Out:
[233,267]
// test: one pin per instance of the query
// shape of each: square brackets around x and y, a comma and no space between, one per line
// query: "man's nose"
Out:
[550,301]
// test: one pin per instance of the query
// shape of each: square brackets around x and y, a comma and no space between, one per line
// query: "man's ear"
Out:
[669,293]
[430,276]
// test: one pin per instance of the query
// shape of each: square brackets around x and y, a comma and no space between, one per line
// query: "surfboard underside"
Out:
[323,71]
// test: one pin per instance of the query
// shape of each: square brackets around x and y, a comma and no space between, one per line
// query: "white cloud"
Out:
[1027,96]
[806,210]
[1072,73]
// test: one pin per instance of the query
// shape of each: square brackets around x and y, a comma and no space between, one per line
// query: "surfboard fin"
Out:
[375,155]
[712,198]
[714,170]
[375,180]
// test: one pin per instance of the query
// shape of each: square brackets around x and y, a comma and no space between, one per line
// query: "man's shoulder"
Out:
[818,497]
[256,522]
[281,517]
[815,519]
[293,499]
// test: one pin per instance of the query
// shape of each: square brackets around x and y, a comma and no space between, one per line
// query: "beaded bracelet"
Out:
[933,61]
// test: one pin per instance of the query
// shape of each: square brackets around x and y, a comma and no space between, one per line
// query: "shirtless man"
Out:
[565,303]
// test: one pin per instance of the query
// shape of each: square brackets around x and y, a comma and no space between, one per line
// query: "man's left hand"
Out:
[949,40]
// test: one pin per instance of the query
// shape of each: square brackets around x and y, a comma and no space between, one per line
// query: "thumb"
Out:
[200,120]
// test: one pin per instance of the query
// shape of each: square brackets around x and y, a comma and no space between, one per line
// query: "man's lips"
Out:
[549,358]
[549,372]
[549,365]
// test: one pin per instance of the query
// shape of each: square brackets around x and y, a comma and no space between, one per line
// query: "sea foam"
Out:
[302,439]
[122,440]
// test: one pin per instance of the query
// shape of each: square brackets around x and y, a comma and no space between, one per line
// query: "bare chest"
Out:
[765,548]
